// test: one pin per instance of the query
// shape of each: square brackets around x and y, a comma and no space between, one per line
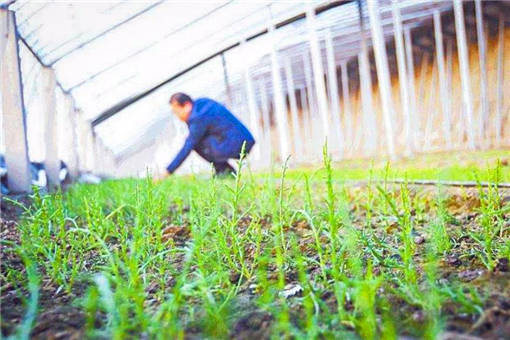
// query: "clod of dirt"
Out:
[174,232]
[453,260]
[457,336]
[470,275]
[504,162]
[502,265]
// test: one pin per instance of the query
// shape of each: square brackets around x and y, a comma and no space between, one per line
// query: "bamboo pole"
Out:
[318,73]
[252,109]
[460,29]
[443,87]
[347,103]
[297,140]
[266,119]
[402,75]
[482,51]
[383,73]
[412,87]
[280,107]
[333,94]
[500,79]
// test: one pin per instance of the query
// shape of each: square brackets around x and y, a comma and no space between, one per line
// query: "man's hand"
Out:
[160,176]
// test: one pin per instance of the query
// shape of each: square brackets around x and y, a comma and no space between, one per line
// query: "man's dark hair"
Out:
[181,98]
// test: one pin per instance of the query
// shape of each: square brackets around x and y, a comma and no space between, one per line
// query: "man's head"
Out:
[181,104]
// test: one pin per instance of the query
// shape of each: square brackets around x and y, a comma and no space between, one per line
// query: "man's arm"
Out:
[196,132]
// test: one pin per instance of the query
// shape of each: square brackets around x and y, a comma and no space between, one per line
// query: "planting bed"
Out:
[296,255]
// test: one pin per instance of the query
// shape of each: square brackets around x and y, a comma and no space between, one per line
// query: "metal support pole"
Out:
[443,85]
[13,110]
[318,71]
[297,140]
[280,107]
[482,51]
[333,94]
[347,103]
[52,159]
[383,73]
[460,29]
[402,76]
[500,79]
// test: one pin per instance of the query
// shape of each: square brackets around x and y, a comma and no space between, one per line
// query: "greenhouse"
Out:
[255,169]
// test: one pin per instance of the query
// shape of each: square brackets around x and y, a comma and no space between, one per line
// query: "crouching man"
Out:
[214,133]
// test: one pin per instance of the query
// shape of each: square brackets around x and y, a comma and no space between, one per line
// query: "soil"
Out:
[58,318]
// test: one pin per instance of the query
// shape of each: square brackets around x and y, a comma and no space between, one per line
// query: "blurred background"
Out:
[375,78]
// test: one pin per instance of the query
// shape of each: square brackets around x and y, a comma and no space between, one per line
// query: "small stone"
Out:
[419,239]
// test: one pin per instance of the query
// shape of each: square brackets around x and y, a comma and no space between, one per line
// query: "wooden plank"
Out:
[465,79]
[13,111]
[383,73]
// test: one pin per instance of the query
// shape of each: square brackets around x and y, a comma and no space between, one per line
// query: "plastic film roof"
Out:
[105,52]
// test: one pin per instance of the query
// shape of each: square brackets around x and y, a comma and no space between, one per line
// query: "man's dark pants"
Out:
[219,152]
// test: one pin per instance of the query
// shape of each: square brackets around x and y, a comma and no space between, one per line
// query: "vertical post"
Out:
[347,101]
[72,136]
[366,89]
[482,51]
[280,106]
[402,76]
[443,88]
[500,79]
[311,103]
[318,70]
[297,141]
[225,79]
[383,73]
[13,110]
[306,122]
[266,120]
[252,108]
[52,159]
[333,92]
[412,89]
[460,29]
[86,144]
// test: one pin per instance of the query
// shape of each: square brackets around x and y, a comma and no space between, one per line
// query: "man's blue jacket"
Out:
[214,133]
